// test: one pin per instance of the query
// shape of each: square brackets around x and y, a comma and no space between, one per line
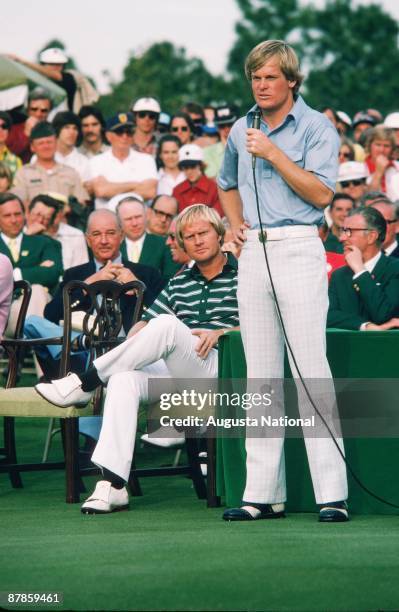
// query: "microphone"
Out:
[256,126]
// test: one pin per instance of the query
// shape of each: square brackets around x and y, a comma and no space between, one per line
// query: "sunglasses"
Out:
[4,126]
[179,129]
[124,130]
[345,155]
[144,114]
[171,236]
[354,183]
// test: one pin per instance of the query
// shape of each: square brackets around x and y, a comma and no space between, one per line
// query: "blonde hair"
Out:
[379,133]
[194,213]
[5,172]
[288,60]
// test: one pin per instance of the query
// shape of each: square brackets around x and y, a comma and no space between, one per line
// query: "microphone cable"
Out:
[256,125]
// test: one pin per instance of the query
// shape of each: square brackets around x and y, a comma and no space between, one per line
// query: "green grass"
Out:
[170,552]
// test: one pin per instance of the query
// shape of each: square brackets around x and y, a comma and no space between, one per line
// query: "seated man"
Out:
[139,245]
[36,259]
[121,169]
[364,294]
[177,337]
[46,214]
[45,174]
[390,212]
[160,214]
[104,237]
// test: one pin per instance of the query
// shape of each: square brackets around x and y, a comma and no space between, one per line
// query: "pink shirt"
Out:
[6,288]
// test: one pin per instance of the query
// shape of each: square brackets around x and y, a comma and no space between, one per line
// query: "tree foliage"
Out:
[164,72]
[355,58]
[350,54]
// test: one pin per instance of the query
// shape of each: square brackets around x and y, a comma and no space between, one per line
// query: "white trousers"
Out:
[299,274]
[164,348]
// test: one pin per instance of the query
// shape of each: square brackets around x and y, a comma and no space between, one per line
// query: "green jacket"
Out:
[370,298]
[155,253]
[34,250]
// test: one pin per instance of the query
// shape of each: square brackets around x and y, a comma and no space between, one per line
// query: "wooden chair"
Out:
[101,326]
[21,289]
[99,337]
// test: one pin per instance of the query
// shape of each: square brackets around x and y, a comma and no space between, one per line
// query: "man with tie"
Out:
[37,259]
[364,294]
[139,246]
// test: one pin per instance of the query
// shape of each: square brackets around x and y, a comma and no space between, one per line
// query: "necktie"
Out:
[134,254]
[12,245]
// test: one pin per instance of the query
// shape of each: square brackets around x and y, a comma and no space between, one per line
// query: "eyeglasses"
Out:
[144,114]
[348,230]
[37,109]
[160,213]
[354,183]
[123,130]
[171,236]
[182,128]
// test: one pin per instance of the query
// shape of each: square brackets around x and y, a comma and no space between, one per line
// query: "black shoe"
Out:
[266,511]
[334,512]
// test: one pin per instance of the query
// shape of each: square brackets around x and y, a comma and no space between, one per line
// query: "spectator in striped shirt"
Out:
[176,338]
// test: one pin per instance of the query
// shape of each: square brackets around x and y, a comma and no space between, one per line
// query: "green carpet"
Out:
[170,552]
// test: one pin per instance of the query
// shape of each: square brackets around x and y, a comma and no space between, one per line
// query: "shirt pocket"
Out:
[295,155]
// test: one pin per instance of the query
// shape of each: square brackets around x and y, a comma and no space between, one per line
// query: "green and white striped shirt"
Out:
[198,302]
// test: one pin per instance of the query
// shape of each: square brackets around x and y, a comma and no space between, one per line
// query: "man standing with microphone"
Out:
[295,150]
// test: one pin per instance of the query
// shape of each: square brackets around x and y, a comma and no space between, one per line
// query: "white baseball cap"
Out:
[146,104]
[352,171]
[190,153]
[53,55]
[344,118]
[392,121]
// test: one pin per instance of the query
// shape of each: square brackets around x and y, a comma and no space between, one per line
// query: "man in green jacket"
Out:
[364,294]
[37,259]
[139,246]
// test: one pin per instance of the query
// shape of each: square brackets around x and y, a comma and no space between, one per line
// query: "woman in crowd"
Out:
[181,125]
[346,151]
[384,170]
[5,177]
[169,173]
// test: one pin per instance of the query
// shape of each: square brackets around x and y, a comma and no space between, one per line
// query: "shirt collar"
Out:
[371,263]
[201,185]
[100,265]
[391,248]
[230,264]
[294,114]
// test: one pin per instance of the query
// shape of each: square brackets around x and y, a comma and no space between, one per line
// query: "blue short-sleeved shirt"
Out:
[309,139]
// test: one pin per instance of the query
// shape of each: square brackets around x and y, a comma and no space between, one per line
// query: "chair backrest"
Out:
[15,352]
[21,287]
[102,322]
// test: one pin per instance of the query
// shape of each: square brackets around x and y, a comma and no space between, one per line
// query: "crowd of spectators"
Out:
[146,166]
